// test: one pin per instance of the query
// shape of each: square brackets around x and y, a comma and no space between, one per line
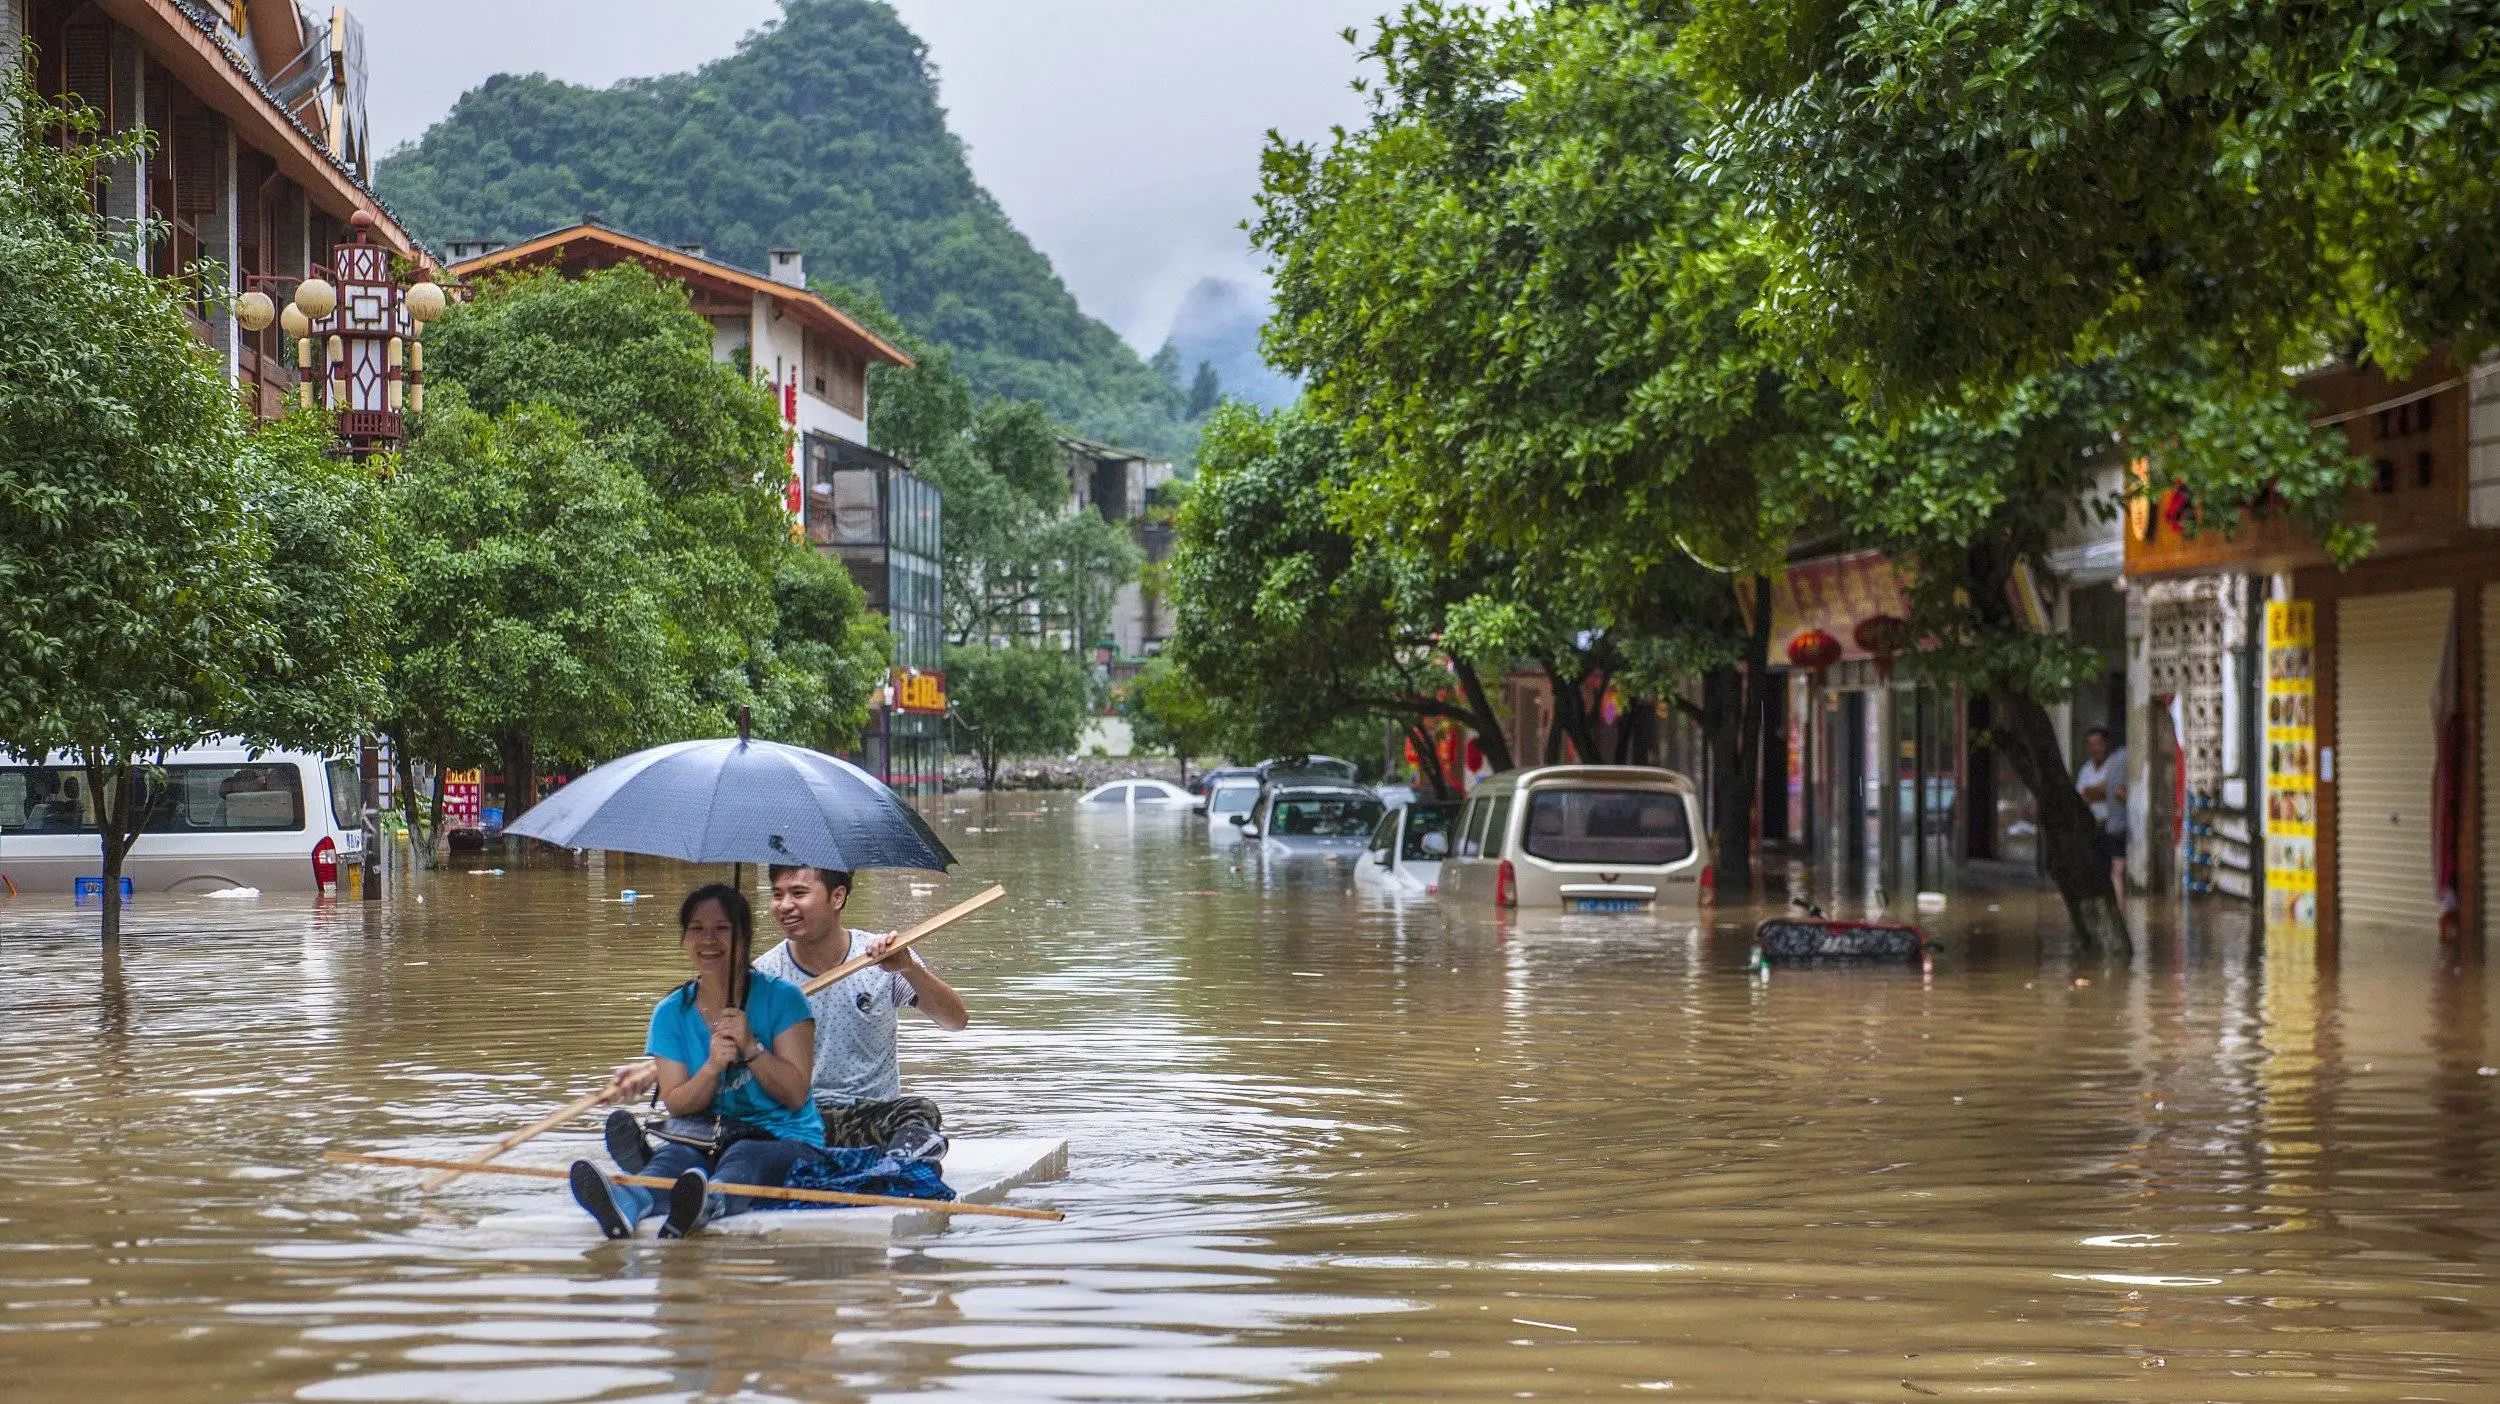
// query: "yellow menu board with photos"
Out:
[2291,768]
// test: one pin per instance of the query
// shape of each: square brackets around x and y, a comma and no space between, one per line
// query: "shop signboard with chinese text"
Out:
[2291,769]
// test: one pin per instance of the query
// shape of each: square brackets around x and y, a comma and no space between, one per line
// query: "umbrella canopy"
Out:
[738,801]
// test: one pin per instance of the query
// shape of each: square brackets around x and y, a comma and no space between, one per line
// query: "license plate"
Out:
[1604,904]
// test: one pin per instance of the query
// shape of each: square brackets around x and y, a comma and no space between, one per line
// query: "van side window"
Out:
[259,797]
[1497,829]
[181,799]
[38,799]
[347,793]
[1471,829]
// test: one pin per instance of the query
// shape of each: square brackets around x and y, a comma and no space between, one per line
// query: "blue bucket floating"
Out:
[86,888]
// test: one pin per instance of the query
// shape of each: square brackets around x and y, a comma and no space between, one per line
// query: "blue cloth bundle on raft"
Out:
[868,1170]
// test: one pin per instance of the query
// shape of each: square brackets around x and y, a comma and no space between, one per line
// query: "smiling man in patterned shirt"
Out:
[858,1083]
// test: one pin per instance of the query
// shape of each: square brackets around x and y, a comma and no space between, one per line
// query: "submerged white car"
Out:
[1407,848]
[1136,794]
[1308,820]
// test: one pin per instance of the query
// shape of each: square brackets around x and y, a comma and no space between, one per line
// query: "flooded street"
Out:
[1322,1146]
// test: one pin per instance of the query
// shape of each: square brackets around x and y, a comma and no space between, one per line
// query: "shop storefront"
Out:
[2374,751]
[1872,787]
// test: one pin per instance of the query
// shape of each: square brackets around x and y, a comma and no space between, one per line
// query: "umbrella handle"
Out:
[744,955]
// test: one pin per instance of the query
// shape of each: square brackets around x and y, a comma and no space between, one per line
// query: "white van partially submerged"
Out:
[1584,838]
[222,816]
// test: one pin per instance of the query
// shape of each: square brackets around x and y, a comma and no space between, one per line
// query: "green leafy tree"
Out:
[1528,323]
[1295,621]
[827,657]
[532,627]
[1967,194]
[621,353]
[1205,391]
[1964,499]
[1168,711]
[1555,331]
[141,604]
[1016,701]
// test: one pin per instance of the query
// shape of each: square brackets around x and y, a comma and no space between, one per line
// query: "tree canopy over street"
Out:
[1606,301]
[1966,194]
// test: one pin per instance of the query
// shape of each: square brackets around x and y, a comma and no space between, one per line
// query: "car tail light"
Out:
[326,862]
[1506,885]
[1709,884]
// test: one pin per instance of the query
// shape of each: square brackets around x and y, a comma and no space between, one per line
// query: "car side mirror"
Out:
[1381,858]
[1241,821]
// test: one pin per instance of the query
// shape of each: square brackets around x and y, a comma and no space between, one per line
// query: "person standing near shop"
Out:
[2103,784]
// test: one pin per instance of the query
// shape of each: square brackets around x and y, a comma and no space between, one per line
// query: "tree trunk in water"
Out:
[1730,701]
[1573,717]
[520,776]
[437,843]
[2069,833]
[112,895]
[989,768]
[117,829]
[1488,723]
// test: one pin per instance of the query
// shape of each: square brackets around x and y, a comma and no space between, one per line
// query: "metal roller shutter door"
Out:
[2386,667]
[2491,760]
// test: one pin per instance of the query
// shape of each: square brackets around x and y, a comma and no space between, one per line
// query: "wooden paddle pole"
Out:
[544,1124]
[903,939]
[803,1196]
[626,1084]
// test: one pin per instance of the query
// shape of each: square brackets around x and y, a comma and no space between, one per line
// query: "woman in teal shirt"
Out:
[735,1081]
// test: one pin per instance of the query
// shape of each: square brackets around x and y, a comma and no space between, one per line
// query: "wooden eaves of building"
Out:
[260,156]
[795,340]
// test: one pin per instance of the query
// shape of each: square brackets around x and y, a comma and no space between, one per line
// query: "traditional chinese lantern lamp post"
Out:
[358,354]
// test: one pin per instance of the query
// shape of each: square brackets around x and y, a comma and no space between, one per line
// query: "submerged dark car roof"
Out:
[1319,789]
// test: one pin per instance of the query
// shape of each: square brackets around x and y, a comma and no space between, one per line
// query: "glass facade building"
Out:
[885,524]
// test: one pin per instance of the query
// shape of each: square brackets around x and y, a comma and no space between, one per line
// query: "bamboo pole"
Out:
[804,1196]
[627,1083]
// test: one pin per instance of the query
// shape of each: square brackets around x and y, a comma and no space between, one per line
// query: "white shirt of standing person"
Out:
[2110,774]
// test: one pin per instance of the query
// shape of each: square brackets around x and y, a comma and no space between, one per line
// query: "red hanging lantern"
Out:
[2176,508]
[1883,635]
[1813,649]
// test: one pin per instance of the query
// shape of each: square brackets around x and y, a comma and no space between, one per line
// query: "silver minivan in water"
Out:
[220,816]
[1584,838]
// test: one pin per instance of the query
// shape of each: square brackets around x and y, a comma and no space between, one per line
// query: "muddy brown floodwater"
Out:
[1324,1146]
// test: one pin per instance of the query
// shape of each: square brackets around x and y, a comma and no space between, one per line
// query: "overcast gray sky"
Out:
[1122,136]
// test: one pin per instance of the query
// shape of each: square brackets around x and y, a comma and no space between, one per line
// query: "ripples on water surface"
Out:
[1323,1146]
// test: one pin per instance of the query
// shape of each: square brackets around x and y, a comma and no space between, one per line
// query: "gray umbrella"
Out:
[738,801]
